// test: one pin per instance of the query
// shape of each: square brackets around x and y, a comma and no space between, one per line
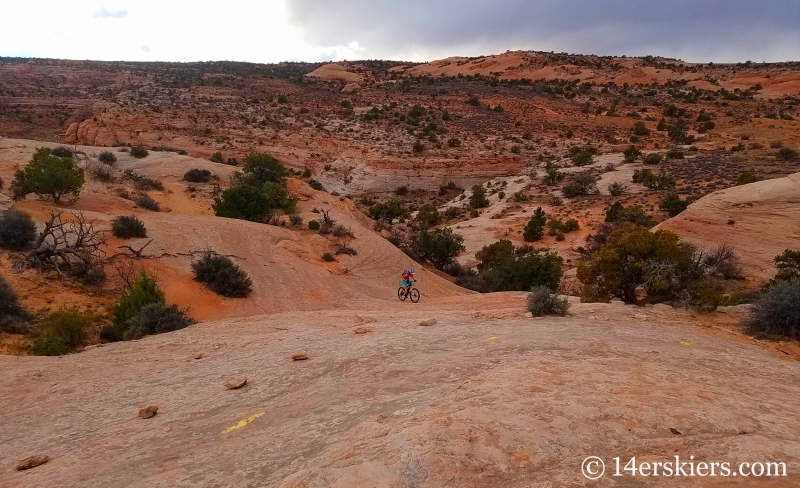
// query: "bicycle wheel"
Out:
[401,294]
[414,295]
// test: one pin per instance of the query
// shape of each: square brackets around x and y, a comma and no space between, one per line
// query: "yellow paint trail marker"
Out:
[242,423]
[687,343]
[490,339]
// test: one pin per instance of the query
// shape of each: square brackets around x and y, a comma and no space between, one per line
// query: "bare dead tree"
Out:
[67,246]
[132,252]
[327,222]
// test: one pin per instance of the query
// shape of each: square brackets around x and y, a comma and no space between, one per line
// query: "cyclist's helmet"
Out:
[411,271]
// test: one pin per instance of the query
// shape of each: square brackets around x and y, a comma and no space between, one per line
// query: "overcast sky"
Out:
[415,30]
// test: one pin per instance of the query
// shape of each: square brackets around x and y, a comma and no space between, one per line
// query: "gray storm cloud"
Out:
[696,30]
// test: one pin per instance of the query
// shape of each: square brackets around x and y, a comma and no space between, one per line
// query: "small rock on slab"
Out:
[148,412]
[640,316]
[300,356]
[428,322]
[360,330]
[31,462]
[199,355]
[235,383]
[529,315]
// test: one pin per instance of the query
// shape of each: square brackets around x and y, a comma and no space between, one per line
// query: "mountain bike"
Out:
[412,293]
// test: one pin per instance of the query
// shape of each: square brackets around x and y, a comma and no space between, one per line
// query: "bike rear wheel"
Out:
[414,295]
[401,294]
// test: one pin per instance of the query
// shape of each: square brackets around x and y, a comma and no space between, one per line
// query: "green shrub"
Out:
[582,184]
[157,318]
[260,168]
[631,153]
[501,267]
[418,146]
[661,181]
[542,302]
[674,154]
[640,129]
[582,158]
[788,264]
[439,247]
[62,332]
[146,201]
[217,157]
[11,311]
[534,229]
[328,257]
[787,153]
[17,230]
[571,225]
[222,275]
[673,205]
[454,142]
[249,203]
[703,296]
[428,215]
[196,175]
[313,225]
[401,190]
[746,178]
[388,211]
[552,176]
[633,256]
[48,346]
[617,188]
[653,158]
[107,157]
[128,227]
[777,310]
[50,176]
[143,291]
[139,152]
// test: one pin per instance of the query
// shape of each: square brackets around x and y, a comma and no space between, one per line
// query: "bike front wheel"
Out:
[401,294]
[414,295]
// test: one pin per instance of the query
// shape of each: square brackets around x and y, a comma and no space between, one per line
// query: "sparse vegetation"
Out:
[777,311]
[11,311]
[222,275]
[541,301]
[139,152]
[128,227]
[17,230]
[143,291]
[157,318]
[673,205]
[787,154]
[146,201]
[107,157]
[62,332]
[196,175]
[617,188]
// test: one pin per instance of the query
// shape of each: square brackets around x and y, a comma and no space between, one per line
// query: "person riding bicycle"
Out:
[408,278]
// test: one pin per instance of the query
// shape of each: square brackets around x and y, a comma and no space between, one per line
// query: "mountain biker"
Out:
[408,278]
